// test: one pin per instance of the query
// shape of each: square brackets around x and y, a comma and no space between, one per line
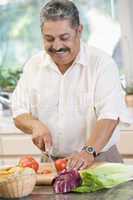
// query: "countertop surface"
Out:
[120,192]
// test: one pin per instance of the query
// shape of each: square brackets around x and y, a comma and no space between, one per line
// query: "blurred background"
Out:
[20,36]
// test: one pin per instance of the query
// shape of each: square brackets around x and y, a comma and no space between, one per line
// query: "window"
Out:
[102,28]
[20,35]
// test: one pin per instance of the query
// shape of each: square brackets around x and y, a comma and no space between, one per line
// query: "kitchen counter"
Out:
[120,192]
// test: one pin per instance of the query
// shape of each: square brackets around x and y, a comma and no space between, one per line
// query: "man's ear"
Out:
[80,29]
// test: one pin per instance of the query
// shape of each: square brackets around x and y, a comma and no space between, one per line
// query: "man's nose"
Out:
[57,44]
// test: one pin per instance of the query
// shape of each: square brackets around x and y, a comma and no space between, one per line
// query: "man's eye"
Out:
[49,39]
[65,38]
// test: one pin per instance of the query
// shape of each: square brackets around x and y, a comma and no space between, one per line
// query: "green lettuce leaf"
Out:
[103,176]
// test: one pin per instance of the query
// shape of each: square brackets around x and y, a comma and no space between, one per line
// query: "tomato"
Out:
[60,164]
[29,161]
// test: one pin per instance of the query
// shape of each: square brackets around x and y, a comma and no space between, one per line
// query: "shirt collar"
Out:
[80,59]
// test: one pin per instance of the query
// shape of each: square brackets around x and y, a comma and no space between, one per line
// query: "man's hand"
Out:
[80,160]
[41,136]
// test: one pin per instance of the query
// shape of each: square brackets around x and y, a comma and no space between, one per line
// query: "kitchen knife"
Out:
[46,157]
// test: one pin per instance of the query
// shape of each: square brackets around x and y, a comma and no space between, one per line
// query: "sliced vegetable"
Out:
[29,161]
[60,164]
[66,181]
[104,176]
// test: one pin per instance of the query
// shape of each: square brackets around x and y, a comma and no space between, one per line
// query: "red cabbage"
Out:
[66,181]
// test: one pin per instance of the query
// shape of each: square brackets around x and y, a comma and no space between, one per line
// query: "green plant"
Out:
[9,78]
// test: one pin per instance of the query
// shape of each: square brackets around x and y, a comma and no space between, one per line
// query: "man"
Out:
[69,97]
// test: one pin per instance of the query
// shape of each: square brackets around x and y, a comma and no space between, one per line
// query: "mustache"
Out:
[52,50]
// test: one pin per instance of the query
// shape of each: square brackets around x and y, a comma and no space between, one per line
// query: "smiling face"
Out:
[62,42]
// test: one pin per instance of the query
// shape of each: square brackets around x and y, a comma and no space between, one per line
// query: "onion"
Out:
[66,181]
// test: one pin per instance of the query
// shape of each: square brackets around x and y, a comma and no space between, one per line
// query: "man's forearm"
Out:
[26,122]
[102,133]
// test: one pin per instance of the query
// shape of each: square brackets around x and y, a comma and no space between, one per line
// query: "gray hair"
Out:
[59,10]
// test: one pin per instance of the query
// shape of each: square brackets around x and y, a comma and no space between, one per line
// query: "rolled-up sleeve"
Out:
[20,100]
[109,97]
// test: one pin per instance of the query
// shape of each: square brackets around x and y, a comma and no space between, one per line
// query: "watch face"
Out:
[90,149]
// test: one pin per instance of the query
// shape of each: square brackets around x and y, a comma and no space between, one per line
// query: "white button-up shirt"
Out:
[71,103]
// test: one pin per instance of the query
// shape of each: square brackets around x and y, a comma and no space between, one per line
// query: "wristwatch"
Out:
[90,150]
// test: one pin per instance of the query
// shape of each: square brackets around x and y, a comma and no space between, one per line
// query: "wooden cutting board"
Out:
[46,179]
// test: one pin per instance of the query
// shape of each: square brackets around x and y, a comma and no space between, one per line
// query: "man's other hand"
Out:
[80,160]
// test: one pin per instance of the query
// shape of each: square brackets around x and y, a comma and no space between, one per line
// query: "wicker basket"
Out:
[17,186]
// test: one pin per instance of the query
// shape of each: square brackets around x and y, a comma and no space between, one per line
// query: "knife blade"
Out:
[48,157]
